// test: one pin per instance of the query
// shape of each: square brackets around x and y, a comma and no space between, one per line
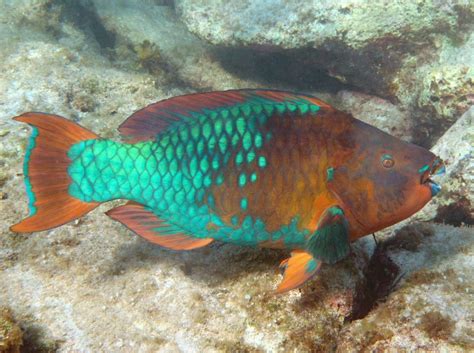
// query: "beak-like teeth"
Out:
[435,188]
[440,171]
[437,168]
[425,177]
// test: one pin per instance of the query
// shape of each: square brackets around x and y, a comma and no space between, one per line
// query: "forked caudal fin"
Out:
[45,171]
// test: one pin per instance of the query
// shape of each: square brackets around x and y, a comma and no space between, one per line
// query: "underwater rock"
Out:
[418,53]
[455,203]
[432,308]
[79,85]
[142,24]
[448,90]
[377,112]
[291,24]
[43,15]
[440,89]
[10,333]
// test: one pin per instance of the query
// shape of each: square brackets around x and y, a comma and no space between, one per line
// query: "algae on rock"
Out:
[448,90]
[184,55]
[10,333]
[433,307]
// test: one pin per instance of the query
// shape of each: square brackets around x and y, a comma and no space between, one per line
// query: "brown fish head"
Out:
[383,180]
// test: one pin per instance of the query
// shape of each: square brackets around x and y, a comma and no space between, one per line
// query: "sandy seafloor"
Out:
[92,286]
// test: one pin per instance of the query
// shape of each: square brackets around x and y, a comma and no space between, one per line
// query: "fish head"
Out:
[383,180]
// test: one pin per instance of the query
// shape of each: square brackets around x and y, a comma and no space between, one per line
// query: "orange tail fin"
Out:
[45,172]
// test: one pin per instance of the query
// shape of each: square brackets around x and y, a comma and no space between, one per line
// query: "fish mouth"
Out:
[437,168]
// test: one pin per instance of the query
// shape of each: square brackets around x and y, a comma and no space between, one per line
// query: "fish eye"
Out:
[387,161]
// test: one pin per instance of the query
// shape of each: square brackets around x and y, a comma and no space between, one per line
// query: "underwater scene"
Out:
[236,176]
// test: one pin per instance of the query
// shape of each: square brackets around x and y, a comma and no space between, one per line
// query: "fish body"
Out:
[249,167]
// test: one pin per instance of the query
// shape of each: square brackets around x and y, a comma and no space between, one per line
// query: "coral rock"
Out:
[455,203]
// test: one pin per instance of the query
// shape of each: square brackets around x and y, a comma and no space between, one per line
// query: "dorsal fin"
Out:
[147,225]
[146,123]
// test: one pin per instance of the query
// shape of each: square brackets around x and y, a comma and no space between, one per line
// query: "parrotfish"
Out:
[257,168]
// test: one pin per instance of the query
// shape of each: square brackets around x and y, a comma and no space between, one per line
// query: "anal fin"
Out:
[299,268]
[150,227]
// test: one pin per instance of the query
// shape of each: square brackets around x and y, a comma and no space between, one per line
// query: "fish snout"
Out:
[437,168]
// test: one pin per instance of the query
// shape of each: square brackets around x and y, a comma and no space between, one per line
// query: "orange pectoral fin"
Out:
[299,268]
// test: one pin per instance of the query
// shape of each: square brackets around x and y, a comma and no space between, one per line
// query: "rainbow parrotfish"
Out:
[250,167]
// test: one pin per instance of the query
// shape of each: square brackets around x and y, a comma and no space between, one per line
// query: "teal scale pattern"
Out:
[172,175]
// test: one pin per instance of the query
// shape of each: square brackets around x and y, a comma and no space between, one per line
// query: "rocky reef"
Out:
[455,204]
[415,53]
[432,307]
[405,67]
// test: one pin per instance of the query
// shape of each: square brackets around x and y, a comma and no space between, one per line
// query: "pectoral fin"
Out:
[299,268]
[330,241]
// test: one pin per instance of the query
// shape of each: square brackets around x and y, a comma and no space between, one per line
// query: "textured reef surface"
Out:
[418,53]
[91,285]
